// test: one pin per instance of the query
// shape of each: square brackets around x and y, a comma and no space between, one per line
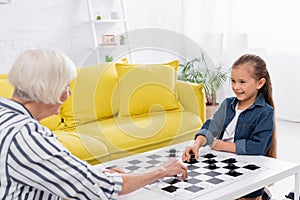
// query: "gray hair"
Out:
[41,75]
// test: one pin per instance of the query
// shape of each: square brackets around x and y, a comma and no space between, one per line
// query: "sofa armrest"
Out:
[192,97]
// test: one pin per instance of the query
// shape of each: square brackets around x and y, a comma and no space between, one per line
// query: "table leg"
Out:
[296,196]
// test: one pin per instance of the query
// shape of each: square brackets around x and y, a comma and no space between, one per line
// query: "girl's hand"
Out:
[194,148]
[188,150]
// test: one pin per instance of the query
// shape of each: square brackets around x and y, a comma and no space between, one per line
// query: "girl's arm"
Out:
[213,127]
[220,145]
[210,130]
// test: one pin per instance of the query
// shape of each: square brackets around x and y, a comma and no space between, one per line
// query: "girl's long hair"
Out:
[260,71]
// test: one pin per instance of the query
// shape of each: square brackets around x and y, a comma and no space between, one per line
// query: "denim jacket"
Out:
[253,132]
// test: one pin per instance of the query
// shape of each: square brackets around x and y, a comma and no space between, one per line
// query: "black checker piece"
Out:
[209,155]
[251,167]
[231,166]
[210,161]
[233,173]
[172,180]
[211,166]
[229,160]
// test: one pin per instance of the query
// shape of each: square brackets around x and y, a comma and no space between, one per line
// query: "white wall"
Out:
[63,25]
[48,24]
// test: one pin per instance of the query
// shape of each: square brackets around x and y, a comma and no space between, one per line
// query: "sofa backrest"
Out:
[95,93]
[6,89]
[93,97]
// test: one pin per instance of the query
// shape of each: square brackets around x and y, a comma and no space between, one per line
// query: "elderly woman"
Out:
[33,164]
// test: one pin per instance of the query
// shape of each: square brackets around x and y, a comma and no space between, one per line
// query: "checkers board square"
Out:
[134,162]
[194,188]
[192,167]
[170,188]
[193,180]
[213,173]
[153,162]
[132,168]
[193,174]
[215,181]
[154,156]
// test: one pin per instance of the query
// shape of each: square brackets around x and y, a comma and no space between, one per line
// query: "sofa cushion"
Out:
[53,122]
[126,136]
[93,96]
[83,146]
[147,88]
[192,97]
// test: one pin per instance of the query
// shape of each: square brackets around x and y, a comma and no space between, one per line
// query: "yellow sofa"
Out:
[116,110]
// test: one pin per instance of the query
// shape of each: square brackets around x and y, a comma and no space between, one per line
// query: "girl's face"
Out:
[244,85]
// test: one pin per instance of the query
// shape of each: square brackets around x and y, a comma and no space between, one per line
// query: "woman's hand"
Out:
[115,170]
[173,167]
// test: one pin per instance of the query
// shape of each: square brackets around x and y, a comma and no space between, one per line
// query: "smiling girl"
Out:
[243,124]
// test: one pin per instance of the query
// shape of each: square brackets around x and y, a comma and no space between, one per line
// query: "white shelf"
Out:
[112,46]
[103,26]
[109,21]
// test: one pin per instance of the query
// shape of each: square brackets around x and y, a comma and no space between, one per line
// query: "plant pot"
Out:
[122,41]
[210,110]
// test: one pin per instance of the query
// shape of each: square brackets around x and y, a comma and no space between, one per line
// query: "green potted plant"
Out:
[98,16]
[108,58]
[197,71]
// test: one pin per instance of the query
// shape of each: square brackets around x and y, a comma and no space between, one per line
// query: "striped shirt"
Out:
[34,165]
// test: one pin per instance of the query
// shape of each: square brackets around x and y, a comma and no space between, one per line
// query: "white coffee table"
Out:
[276,170]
